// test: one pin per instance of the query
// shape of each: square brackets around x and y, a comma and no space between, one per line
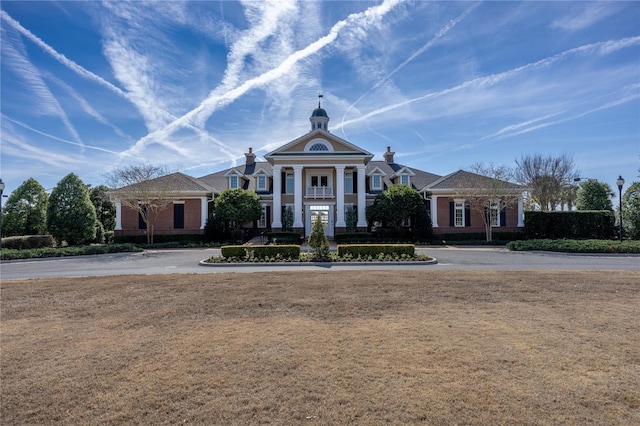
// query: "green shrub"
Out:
[25,242]
[260,252]
[284,237]
[365,250]
[575,224]
[141,239]
[354,237]
[576,246]
[12,254]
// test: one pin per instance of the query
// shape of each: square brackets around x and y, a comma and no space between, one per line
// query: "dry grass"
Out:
[323,348]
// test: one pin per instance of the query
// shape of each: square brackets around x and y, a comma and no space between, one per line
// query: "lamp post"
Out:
[620,183]
[1,190]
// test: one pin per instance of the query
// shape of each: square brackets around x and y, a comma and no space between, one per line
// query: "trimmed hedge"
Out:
[284,237]
[67,251]
[574,224]
[479,236]
[261,252]
[362,250]
[354,237]
[160,239]
[577,246]
[25,242]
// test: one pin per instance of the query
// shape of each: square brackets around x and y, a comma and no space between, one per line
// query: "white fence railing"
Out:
[319,192]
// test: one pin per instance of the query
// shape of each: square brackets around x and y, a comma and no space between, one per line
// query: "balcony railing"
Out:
[319,192]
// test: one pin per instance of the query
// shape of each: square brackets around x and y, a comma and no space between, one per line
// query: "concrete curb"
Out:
[433,261]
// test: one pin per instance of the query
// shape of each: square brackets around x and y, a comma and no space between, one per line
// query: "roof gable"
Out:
[313,144]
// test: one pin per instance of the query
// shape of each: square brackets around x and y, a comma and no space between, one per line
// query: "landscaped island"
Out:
[344,253]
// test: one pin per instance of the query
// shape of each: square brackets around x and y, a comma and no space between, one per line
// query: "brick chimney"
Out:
[388,156]
[251,157]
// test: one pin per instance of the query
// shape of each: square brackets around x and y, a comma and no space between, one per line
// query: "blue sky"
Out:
[92,86]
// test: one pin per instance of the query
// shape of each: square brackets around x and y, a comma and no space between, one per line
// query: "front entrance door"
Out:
[325,213]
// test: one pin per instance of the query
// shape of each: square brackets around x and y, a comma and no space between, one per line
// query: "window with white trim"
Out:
[262,223]
[404,179]
[233,182]
[376,182]
[289,183]
[458,214]
[262,183]
[494,212]
[348,183]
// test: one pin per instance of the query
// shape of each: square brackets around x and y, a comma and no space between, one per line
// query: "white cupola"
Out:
[319,118]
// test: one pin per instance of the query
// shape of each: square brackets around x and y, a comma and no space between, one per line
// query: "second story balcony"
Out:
[319,192]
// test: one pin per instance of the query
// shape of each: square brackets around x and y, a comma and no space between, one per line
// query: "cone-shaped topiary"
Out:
[318,240]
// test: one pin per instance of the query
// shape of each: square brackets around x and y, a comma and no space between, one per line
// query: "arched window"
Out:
[318,147]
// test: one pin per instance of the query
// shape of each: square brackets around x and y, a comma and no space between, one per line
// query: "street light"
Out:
[620,183]
[1,190]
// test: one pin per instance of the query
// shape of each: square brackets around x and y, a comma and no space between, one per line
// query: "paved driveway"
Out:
[186,261]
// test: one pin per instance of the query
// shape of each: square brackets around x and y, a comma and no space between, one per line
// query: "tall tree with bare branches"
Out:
[548,177]
[487,190]
[144,188]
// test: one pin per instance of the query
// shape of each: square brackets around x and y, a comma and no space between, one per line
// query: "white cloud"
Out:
[591,14]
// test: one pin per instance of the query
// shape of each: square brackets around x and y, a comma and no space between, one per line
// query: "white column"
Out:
[297,197]
[277,198]
[520,212]
[204,211]
[362,196]
[118,216]
[340,223]
[434,211]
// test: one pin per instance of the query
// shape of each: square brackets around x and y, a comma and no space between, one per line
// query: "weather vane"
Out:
[319,96]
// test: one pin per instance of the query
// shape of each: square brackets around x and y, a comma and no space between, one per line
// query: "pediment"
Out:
[318,143]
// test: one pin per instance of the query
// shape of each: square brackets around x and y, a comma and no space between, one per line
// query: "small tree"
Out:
[25,212]
[105,209]
[487,191]
[594,195]
[318,240]
[351,219]
[394,206]
[145,189]
[631,211]
[71,216]
[421,226]
[287,219]
[237,207]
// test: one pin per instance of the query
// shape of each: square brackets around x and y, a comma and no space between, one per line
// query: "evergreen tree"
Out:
[238,206]
[594,195]
[318,240]
[631,211]
[105,208]
[71,216]
[287,219]
[25,212]
[351,219]
[421,226]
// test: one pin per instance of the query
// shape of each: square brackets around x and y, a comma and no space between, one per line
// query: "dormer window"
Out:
[261,184]
[376,182]
[404,180]
[233,182]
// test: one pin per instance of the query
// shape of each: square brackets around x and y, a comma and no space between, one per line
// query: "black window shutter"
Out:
[178,216]
[451,213]
[467,215]
[268,216]
[503,217]
[141,223]
[283,183]
[355,182]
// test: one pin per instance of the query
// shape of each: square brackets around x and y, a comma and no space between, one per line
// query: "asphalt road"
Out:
[186,261]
